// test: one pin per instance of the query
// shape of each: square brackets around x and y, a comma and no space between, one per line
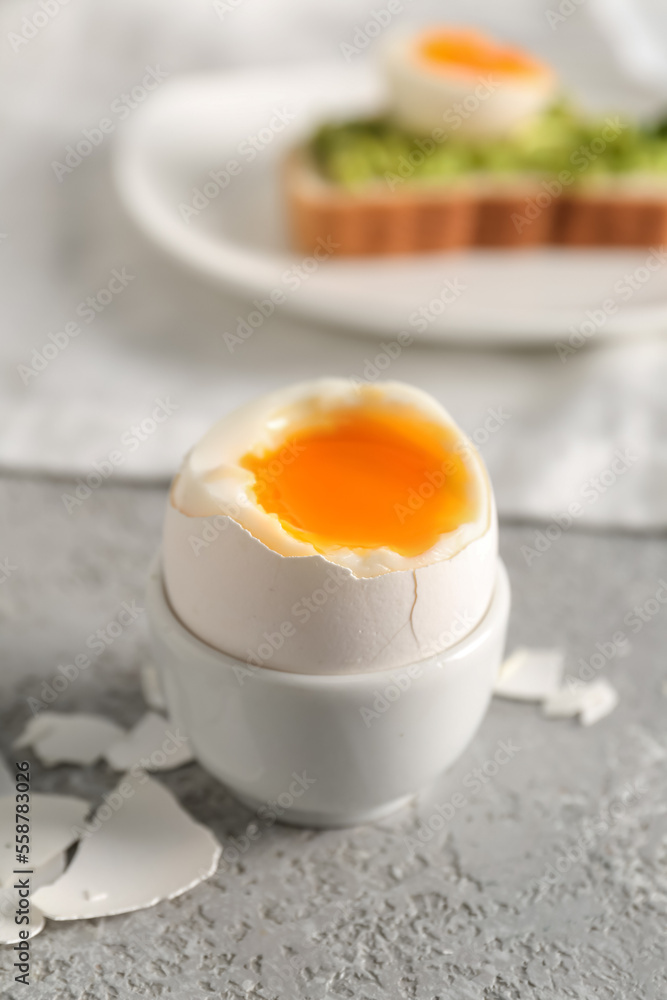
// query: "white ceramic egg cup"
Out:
[321,749]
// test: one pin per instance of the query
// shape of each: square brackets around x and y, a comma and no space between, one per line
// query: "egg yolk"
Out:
[367,479]
[469,52]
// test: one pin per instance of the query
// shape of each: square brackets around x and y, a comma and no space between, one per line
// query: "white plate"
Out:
[194,125]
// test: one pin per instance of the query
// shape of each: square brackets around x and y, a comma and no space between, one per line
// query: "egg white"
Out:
[429,99]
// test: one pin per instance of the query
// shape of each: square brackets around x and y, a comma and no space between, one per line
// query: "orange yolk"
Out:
[367,479]
[469,52]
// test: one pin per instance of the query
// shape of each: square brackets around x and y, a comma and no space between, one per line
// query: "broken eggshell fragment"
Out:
[591,702]
[10,931]
[6,779]
[54,820]
[155,744]
[142,850]
[151,686]
[530,674]
[69,738]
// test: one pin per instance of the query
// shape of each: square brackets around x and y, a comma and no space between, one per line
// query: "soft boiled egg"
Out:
[459,80]
[332,527]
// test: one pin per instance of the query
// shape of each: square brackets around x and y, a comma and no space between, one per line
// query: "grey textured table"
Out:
[498,903]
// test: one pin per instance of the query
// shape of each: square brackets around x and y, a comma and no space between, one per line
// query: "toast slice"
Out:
[479,211]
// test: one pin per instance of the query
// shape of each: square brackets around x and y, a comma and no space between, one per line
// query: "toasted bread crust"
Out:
[415,219]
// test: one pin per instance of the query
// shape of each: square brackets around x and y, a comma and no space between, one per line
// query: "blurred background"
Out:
[155,337]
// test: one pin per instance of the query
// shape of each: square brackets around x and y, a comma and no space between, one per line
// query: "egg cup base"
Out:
[306,818]
[326,750]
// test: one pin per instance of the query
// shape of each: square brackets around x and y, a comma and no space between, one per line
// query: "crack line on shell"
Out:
[414,605]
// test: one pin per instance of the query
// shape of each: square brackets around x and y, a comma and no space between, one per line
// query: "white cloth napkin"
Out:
[157,347]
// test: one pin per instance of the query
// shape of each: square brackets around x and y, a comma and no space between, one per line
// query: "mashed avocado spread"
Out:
[359,152]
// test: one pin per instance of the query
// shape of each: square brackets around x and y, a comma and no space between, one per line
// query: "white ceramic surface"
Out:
[197,124]
[327,750]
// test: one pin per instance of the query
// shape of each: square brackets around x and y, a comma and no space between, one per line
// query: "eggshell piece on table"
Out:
[151,687]
[54,821]
[530,674]
[50,871]
[155,744]
[146,850]
[601,699]
[9,929]
[564,703]
[7,781]
[69,738]
[591,702]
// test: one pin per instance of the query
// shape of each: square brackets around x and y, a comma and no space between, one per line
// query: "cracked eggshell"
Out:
[307,615]
[151,686]
[296,609]
[591,702]
[155,743]
[69,738]
[601,700]
[54,824]
[530,674]
[146,850]
[6,779]
[9,929]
